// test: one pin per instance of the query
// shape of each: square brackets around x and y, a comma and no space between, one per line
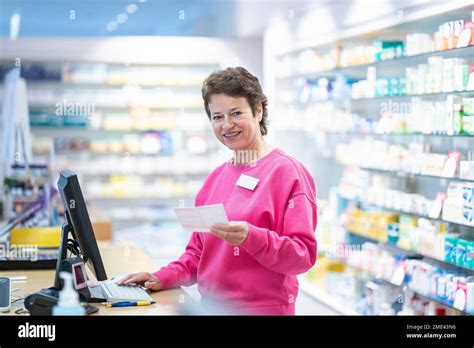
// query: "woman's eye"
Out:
[237,113]
[216,117]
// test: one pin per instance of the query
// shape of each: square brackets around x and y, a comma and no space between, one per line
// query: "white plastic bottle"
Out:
[68,303]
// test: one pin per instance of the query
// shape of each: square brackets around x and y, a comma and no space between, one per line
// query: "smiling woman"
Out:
[249,265]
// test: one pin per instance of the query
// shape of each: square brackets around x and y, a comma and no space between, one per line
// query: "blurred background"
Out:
[375,98]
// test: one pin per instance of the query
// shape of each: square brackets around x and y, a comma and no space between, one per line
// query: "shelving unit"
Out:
[296,92]
[397,135]
[411,252]
[357,200]
[462,93]
[408,174]
[456,52]
[425,297]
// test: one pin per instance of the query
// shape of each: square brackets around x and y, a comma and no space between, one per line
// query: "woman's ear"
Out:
[259,113]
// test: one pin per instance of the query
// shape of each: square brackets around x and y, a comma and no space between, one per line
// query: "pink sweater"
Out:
[259,276]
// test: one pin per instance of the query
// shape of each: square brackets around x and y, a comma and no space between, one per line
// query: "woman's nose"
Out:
[228,124]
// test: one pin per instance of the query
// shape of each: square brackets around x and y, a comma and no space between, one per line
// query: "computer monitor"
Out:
[79,224]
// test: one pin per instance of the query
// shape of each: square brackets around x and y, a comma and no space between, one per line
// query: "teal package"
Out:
[450,245]
[470,255]
[461,250]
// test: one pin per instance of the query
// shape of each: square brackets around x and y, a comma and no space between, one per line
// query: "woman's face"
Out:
[234,123]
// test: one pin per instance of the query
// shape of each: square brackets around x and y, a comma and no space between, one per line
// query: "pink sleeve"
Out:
[293,251]
[184,270]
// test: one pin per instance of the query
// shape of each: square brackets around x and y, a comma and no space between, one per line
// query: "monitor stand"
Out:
[65,230]
[86,294]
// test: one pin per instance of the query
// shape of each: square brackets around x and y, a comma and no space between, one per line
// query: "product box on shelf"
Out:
[453,116]
[460,293]
[450,248]
[468,116]
[466,170]
[470,255]
[464,247]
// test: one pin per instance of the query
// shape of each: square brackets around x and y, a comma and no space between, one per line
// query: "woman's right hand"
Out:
[148,280]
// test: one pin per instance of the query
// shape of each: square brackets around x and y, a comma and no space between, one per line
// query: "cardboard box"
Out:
[102,230]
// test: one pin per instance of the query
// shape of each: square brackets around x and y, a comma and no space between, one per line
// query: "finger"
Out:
[235,242]
[228,228]
[152,285]
[230,237]
[127,277]
[219,233]
[137,278]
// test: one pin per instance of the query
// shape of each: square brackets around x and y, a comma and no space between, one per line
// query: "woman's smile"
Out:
[230,136]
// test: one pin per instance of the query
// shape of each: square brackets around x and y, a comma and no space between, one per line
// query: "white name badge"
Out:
[247,182]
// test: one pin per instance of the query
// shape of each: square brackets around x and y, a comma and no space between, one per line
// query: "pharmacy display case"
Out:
[387,107]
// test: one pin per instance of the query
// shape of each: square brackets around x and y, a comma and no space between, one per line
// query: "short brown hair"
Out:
[236,82]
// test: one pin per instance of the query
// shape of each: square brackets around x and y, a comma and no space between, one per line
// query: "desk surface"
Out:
[118,259]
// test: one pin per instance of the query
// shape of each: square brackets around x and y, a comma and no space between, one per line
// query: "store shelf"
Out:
[408,174]
[408,96]
[372,134]
[378,98]
[429,298]
[324,298]
[405,251]
[404,212]
[83,132]
[403,286]
[425,297]
[116,107]
[379,27]
[405,60]
[359,116]
[122,107]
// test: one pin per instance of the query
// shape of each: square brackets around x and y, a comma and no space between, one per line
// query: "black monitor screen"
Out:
[78,219]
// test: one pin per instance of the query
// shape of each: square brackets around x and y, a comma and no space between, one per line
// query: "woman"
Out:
[251,263]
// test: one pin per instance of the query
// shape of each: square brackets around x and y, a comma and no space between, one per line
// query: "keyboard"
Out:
[117,293]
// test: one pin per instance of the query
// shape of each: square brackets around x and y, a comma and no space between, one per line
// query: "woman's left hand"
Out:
[235,232]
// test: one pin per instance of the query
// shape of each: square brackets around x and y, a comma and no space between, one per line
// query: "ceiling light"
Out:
[112,26]
[14,25]
[132,8]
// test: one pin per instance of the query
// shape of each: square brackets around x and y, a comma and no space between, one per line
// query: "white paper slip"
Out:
[200,219]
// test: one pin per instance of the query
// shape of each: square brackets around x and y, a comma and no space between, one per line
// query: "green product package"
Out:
[468,106]
[450,246]
[468,116]
[461,249]
[470,255]
[468,124]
